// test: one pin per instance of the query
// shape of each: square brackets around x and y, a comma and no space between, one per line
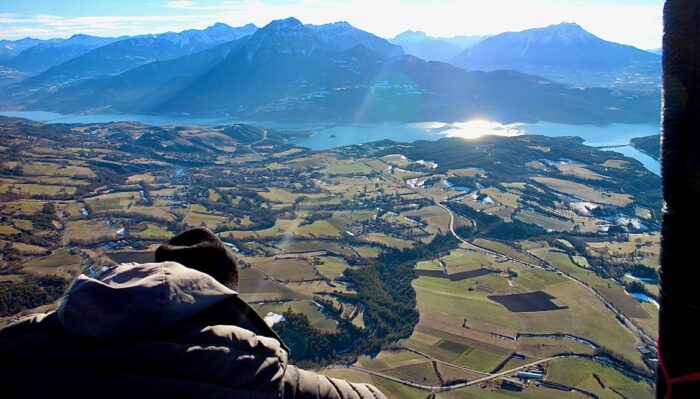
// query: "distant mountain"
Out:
[464,42]
[565,53]
[126,54]
[11,48]
[657,51]
[431,48]
[148,84]
[53,52]
[287,71]
[340,36]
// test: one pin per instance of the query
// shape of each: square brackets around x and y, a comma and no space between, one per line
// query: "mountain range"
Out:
[122,55]
[11,48]
[49,53]
[565,53]
[291,71]
[434,48]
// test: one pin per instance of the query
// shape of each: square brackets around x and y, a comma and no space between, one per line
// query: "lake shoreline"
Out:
[326,135]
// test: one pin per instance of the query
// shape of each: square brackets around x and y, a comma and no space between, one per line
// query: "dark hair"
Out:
[202,250]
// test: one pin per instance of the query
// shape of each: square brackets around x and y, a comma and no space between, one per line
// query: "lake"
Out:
[330,136]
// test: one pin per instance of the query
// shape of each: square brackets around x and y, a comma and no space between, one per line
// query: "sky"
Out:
[635,22]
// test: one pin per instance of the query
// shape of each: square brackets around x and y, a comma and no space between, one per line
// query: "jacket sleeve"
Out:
[302,384]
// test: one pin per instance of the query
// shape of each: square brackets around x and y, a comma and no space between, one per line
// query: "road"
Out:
[250,146]
[449,387]
[425,355]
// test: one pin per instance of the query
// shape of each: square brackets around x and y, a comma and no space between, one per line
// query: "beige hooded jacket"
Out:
[157,330]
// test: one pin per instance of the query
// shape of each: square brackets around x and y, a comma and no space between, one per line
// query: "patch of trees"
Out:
[43,219]
[490,226]
[620,361]
[315,216]
[635,287]
[545,197]
[649,144]
[310,347]
[643,271]
[17,297]
[432,181]
[10,171]
[384,290]
[304,341]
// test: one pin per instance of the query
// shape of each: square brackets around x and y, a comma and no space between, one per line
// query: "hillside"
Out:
[651,145]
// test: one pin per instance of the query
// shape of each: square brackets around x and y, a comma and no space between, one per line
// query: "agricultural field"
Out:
[60,263]
[405,271]
[602,381]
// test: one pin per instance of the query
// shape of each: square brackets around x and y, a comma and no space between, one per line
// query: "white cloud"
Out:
[49,26]
[180,4]
[193,5]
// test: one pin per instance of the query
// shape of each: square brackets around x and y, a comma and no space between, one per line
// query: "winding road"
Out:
[458,385]
[250,146]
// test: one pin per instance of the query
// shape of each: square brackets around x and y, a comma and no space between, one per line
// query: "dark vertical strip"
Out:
[680,156]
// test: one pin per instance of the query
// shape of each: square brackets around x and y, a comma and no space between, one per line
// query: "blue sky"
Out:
[636,22]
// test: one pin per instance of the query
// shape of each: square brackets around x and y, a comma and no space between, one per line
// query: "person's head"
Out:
[202,250]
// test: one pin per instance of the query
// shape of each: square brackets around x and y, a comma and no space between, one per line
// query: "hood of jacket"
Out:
[137,300]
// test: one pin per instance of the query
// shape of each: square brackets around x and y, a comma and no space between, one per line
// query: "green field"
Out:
[579,373]
[428,265]
[541,347]
[538,279]
[60,263]
[470,258]
[474,392]
[331,267]
[36,189]
[196,219]
[480,360]
[367,252]
[287,269]
[153,233]
[546,222]
[6,230]
[319,228]
[388,240]
[91,231]
[505,250]
[586,317]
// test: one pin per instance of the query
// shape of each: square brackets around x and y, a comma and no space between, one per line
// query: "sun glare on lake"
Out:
[477,128]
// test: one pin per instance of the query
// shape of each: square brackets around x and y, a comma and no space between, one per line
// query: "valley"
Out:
[435,266]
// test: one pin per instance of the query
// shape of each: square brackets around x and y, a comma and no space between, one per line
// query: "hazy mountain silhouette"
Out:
[291,71]
[565,53]
[432,48]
